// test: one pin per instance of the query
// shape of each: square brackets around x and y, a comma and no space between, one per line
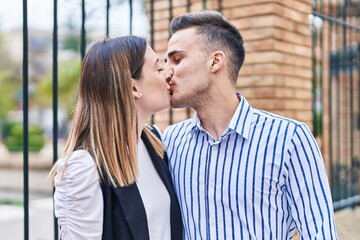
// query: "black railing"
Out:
[336,34]
[55,94]
[83,43]
[26,119]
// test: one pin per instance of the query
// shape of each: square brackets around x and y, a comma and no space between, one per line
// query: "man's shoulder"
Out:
[278,118]
[178,127]
[290,125]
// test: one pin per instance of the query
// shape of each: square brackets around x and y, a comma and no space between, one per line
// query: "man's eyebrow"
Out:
[172,53]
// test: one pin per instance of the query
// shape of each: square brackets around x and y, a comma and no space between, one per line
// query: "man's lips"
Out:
[170,90]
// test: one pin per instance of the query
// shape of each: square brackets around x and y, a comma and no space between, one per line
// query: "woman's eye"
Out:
[160,70]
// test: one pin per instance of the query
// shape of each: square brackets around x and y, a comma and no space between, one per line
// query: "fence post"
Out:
[25,121]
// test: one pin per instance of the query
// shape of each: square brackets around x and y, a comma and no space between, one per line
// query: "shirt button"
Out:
[211,184]
[212,222]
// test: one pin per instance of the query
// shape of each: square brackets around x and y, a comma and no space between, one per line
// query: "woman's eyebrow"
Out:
[156,61]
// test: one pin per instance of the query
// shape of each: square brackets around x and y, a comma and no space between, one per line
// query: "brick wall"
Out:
[276,75]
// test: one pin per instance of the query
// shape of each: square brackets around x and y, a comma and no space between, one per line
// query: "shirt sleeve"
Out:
[78,198]
[308,188]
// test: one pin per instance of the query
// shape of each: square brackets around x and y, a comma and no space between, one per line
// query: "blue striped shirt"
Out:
[261,179]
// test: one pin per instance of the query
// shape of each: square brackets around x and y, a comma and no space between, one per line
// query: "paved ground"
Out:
[348,223]
[41,224]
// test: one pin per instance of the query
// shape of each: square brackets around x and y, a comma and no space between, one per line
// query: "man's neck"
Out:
[216,115]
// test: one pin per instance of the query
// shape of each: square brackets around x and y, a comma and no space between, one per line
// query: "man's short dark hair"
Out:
[218,34]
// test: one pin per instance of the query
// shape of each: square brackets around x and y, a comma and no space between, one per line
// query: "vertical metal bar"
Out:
[83,33]
[341,98]
[345,74]
[321,80]
[219,5]
[337,105]
[204,4]
[351,62]
[26,120]
[358,67]
[152,24]
[55,99]
[348,117]
[131,16]
[330,100]
[352,118]
[344,62]
[170,18]
[107,17]
[314,75]
[188,5]
[152,38]
[357,35]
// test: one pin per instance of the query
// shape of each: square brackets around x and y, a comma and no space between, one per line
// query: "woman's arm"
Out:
[78,198]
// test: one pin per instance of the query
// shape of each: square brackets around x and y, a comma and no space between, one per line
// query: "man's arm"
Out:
[308,187]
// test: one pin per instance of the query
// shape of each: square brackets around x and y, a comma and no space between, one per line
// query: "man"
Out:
[239,173]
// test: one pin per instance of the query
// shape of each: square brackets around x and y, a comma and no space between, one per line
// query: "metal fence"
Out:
[336,68]
[336,37]
[55,48]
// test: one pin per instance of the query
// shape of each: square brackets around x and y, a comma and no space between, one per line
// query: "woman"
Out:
[112,181]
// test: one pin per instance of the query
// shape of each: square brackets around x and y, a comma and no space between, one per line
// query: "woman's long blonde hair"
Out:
[105,119]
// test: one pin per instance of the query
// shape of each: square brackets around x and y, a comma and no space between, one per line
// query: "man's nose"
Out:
[168,73]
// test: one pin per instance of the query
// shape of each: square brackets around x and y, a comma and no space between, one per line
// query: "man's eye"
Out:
[177,60]
[160,69]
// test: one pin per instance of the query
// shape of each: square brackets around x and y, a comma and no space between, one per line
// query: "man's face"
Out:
[186,69]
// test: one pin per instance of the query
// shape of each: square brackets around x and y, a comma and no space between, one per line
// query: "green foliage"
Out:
[12,202]
[71,42]
[67,87]
[10,81]
[10,92]
[6,126]
[14,140]
[72,38]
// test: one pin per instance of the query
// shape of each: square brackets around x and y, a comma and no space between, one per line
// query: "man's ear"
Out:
[135,89]
[217,61]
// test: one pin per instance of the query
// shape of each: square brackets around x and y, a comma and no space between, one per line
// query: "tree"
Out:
[10,81]
[69,73]
[71,39]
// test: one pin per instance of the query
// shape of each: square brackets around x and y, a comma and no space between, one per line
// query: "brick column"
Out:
[277,72]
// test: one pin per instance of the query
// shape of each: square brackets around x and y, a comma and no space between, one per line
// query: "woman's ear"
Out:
[217,61]
[135,89]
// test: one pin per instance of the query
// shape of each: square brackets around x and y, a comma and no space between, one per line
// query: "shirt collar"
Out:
[196,122]
[240,121]
[242,118]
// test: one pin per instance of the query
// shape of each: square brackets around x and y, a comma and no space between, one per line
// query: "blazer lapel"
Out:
[160,165]
[134,210]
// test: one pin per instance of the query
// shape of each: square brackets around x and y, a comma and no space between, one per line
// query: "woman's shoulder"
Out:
[78,157]
[78,162]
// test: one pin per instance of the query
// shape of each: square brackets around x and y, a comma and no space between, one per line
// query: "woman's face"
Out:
[152,85]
